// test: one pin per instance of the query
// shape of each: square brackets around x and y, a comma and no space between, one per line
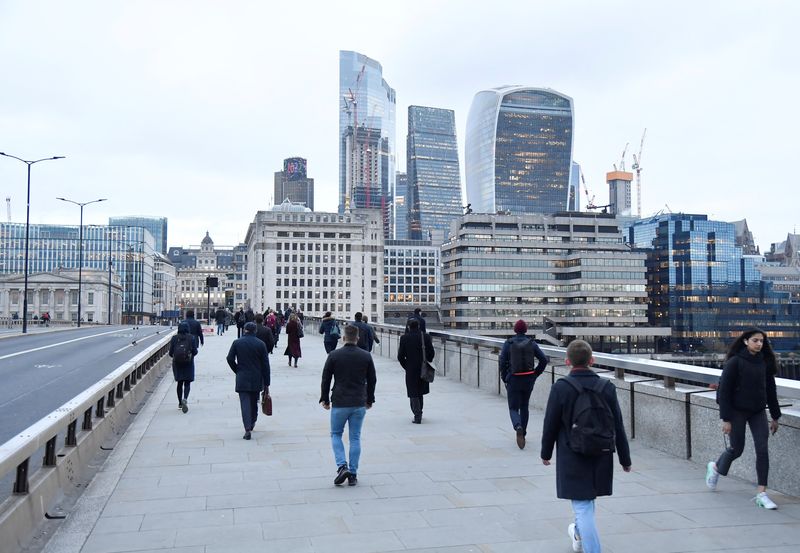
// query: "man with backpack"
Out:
[584,422]
[517,360]
[182,349]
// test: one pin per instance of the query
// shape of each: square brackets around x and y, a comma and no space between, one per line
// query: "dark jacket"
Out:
[325,329]
[579,476]
[747,385]
[249,316]
[220,315]
[523,379]
[265,335]
[365,337]
[195,328]
[239,318]
[183,371]
[353,374]
[409,354]
[418,318]
[248,359]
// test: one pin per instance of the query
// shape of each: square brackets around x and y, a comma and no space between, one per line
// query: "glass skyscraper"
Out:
[293,183]
[157,226]
[367,106]
[519,150]
[434,181]
[703,286]
[574,200]
[401,207]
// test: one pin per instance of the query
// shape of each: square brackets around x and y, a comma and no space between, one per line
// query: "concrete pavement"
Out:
[457,483]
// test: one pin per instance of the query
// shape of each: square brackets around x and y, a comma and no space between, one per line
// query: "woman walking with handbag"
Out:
[413,345]
[294,331]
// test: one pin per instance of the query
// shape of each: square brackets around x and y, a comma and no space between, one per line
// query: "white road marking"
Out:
[56,345]
[137,341]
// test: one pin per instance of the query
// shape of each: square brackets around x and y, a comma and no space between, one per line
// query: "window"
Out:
[90,301]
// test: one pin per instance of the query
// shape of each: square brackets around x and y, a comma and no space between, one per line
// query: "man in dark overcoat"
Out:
[195,328]
[183,371]
[248,359]
[581,478]
[409,354]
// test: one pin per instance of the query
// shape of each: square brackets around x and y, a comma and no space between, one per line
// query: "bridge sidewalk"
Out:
[457,483]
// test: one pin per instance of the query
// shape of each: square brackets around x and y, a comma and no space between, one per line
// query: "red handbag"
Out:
[266,403]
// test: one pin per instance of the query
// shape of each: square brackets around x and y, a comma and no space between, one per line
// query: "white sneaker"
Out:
[763,501]
[712,476]
[576,539]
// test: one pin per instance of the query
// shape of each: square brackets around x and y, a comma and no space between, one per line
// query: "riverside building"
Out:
[568,273]
[411,277]
[316,262]
[194,266]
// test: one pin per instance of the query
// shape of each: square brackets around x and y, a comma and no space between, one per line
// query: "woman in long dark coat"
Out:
[293,337]
[409,354]
[183,371]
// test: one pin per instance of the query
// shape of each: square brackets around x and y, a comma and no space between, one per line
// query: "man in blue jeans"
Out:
[353,373]
[585,460]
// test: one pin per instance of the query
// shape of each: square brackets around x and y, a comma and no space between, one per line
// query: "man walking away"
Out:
[194,326]
[353,373]
[264,334]
[584,422]
[248,359]
[372,332]
[517,359]
[418,316]
[330,331]
[364,332]
[220,316]
[238,318]
[413,345]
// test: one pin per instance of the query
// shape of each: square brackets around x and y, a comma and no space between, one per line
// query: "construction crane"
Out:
[590,200]
[622,157]
[637,166]
[8,208]
[351,108]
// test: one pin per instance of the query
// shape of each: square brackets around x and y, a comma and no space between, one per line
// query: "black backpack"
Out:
[592,431]
[183,348]
[522,356]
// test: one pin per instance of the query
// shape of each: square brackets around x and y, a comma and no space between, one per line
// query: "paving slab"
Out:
[457,483]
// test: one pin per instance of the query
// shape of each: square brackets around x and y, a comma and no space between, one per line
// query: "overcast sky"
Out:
[185,109]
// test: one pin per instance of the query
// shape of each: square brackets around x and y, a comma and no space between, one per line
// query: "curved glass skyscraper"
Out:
[519,150]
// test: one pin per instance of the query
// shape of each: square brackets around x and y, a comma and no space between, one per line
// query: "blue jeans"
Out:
[584,522]
[354,417]
[220,328]
[519,397]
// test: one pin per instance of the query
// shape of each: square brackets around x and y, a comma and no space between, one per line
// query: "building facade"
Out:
[702,285]
[316,262]
[434,180]
[294,184]
[574,200]
[157,226]
[401,207]
[367,121]
[124,251]
[518,153]
[194,265]
[568,275]
[165,284]
[619,192]
[411,277]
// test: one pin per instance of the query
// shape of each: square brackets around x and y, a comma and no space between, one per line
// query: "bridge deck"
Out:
[457,483]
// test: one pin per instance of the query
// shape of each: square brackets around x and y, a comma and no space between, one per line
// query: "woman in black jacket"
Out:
[409,353]
[183,368]
[746,386]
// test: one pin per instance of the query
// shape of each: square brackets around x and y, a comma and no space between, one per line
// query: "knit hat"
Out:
[250,327]
[520,327]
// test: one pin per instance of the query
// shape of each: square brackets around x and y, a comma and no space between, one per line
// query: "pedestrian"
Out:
[293,333]
[372,332]
[410,356]
[271,322]
[194,326]
[584,441]
[353,373]
[746,386]
[301,316]
[182,349]
[239,319]
[248,359]
[264,334]
[417,314]
[331,332]
[364,332]
[220,316]
[249,316]
[46,318]
[519,371]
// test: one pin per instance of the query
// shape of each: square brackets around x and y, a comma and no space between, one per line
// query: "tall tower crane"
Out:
[637,166]
[622,157]
[351,108]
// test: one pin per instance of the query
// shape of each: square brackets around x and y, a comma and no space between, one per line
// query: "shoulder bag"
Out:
[428,370]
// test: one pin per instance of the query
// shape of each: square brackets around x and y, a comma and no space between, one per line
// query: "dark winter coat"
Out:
[418,318]
[353,373]
[239,318]
[747,385]
[325,329]
[248,359]
[220,315]
[524,380]
[293,337]
[409,354]
[265,335]
[365,336]
[579,476]
[249,316]
[195,328]
[183,371]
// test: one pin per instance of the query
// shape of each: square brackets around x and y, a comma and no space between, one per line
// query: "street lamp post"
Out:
[80,247]
[27,232]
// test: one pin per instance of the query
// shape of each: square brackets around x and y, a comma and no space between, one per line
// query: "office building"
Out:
[165,284]
[157,226]
[367,123]
[434,181]
[574,200]
[702,285]
[194,265]
[401,207]
[569,275]
[619,192]
[518,153]
[411,277]
[293,183]
[316,262]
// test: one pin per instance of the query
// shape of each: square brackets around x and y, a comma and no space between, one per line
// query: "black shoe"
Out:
[417,419]
[246,435]
[520,437]
[352,480]
[342,475]
[184,406]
